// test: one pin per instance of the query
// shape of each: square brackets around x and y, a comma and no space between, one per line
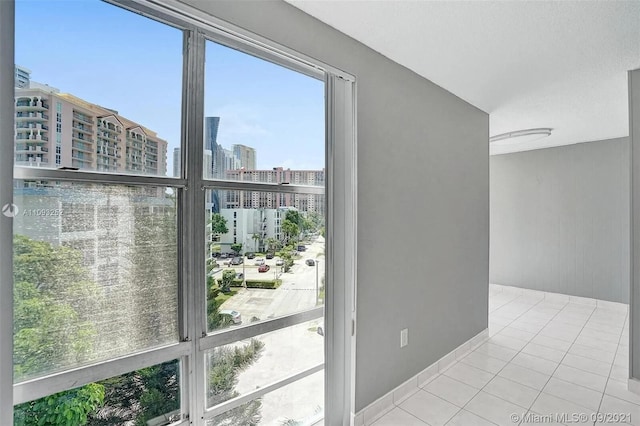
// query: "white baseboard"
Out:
[561,298]
[386,403]
[634,386]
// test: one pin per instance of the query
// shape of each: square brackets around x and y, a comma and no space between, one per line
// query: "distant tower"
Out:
[176,162]
[214,162]
[246,155]
[22,77]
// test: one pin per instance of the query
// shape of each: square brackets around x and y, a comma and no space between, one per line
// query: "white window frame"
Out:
[340,267]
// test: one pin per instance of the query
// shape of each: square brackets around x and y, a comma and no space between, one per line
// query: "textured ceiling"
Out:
[558,64]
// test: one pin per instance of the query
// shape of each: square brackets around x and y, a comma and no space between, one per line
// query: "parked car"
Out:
[320,329]
[234,316]
[239,276]
[269,256]
[279,262]
[223,255]
[263,268]
[302,248]
[250,255]
[236,261]
[310,262]
[259,261]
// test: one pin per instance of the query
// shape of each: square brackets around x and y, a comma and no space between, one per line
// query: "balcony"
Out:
[31,116]
[82,147]
[83,118]
[28,163]
[81,137]
[79,157]
[82,128]
[23,148]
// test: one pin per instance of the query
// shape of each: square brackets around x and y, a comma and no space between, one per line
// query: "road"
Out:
[286,351]
[297,292]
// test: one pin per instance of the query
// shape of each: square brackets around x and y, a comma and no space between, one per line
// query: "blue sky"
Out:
[126,62]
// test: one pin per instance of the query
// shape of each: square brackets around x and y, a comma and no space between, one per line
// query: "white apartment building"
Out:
[244,224]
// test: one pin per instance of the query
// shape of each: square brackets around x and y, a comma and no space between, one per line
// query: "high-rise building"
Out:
[271,200]
[246,155]
[22,77]
[176,162]
[60,130]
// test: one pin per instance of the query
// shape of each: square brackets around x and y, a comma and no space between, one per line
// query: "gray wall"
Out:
[423,204]
[560,220]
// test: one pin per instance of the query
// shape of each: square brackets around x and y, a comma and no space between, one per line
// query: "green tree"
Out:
[53,303]
[288,259]
[273,244]
[140,395]
[236,248]
[227,279]
[218,224]
[65,408]
[294,216]
[256,239]
[290,230]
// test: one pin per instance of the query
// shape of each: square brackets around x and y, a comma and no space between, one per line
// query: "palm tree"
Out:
[256,238]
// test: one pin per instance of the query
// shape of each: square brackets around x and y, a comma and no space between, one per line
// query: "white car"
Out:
[236,318]
[279,262]
[259,261]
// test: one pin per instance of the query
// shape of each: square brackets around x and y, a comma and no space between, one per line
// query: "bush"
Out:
[268,284]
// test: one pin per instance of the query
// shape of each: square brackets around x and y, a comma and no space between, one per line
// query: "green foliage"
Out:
[273,245]
[287,256]
[53,303]
[225,363]
[267,284]
[139,396]
[218,224]
[315,220]
[211,264]
[228,276]
[236,248]
[65,408]
[294,216]
[290,229]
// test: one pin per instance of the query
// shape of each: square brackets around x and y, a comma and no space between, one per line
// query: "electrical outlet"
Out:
[404,337]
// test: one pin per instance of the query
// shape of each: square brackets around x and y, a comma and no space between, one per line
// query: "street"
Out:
[286,351]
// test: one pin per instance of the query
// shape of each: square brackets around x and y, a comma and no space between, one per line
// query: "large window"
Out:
[173,222]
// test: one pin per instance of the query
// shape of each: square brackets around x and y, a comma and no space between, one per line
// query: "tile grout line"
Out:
[502,327]
[496,374]
[560,363]
[613,363]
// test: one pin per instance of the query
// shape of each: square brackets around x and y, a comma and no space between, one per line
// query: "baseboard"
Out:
[558,297]
[386,403]
[634,386]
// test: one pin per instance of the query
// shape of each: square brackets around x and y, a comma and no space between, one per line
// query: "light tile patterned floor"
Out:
[546,357]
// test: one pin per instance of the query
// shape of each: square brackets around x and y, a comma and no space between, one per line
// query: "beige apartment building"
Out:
[273,200]
[56,130]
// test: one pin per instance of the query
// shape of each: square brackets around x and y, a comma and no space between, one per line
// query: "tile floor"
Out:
[547,356]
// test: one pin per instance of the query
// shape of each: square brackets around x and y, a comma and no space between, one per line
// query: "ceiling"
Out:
[529,64]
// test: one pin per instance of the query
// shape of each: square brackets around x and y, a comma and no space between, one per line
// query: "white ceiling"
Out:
[558,64]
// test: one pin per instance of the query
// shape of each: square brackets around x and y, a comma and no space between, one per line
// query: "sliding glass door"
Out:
[184,222]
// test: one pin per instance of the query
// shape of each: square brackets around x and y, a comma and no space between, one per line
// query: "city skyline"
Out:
[276,111]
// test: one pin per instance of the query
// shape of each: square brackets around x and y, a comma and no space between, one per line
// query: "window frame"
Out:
[340,192]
